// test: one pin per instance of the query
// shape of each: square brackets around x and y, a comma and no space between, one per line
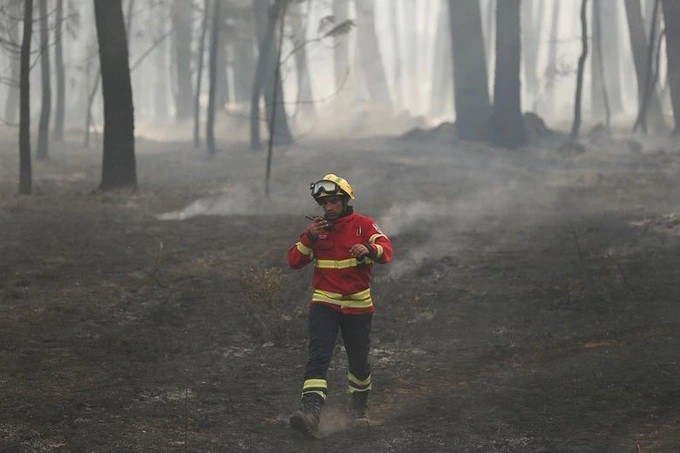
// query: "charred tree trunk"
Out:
[59,72]
[267,77]
[507,127]
[119,165]
[260,15]
[671,12]
[639,45]
[212,92]
[279,131]
[181,19]
[42,151]
[199,74]
[370,58]
[471,97]
[25,173]
[650,79]
[12,101]
[281,15]
[576,126]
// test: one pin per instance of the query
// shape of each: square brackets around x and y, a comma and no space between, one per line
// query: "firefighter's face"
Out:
[332,207]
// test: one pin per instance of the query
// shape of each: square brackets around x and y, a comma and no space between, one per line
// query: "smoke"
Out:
[403,217]
[235,200]
[444,227]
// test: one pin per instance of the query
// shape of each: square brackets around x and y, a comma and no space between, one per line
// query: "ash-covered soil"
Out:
[533,303]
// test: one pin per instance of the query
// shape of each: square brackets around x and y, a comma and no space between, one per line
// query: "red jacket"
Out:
[340,280]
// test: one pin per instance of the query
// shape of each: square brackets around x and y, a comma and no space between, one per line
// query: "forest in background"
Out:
[520,157]
[209,70]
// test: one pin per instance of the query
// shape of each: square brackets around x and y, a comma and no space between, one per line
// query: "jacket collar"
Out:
[349,212]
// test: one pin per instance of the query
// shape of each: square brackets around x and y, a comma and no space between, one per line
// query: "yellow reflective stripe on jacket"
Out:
[375,237]
[362,299]
[340,264]
[379,248]
[302,248]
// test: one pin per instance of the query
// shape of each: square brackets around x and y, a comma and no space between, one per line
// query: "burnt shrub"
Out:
[268,316]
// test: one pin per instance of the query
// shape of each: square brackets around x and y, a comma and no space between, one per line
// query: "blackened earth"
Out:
[533,304]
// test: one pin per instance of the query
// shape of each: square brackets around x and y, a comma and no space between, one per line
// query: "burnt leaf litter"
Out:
[532,304]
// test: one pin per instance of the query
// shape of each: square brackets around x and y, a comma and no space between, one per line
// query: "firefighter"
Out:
[342,245]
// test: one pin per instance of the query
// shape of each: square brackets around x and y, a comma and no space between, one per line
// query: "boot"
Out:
[360,407]
[305,420]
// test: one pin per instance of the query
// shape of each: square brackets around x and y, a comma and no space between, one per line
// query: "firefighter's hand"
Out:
[358,250]
[317,226]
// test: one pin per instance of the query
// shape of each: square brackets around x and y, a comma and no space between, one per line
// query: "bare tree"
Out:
[576,125]
[507,126]
[671,12]
[42,151]
[267,76]
[13,9]
[199,74]
[471,86]
[212,91]
[119,164]
[280,13]
[639,45]
[650,77]
[25,173]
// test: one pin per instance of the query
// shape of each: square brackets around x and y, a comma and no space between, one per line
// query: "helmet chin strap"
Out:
[345,206]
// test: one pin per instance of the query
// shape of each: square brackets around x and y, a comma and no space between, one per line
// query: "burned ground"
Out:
[532,304]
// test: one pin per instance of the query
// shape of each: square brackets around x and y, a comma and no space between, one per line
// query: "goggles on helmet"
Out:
[325,188]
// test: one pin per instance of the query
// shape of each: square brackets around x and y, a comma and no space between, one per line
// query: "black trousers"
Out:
[322,327]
